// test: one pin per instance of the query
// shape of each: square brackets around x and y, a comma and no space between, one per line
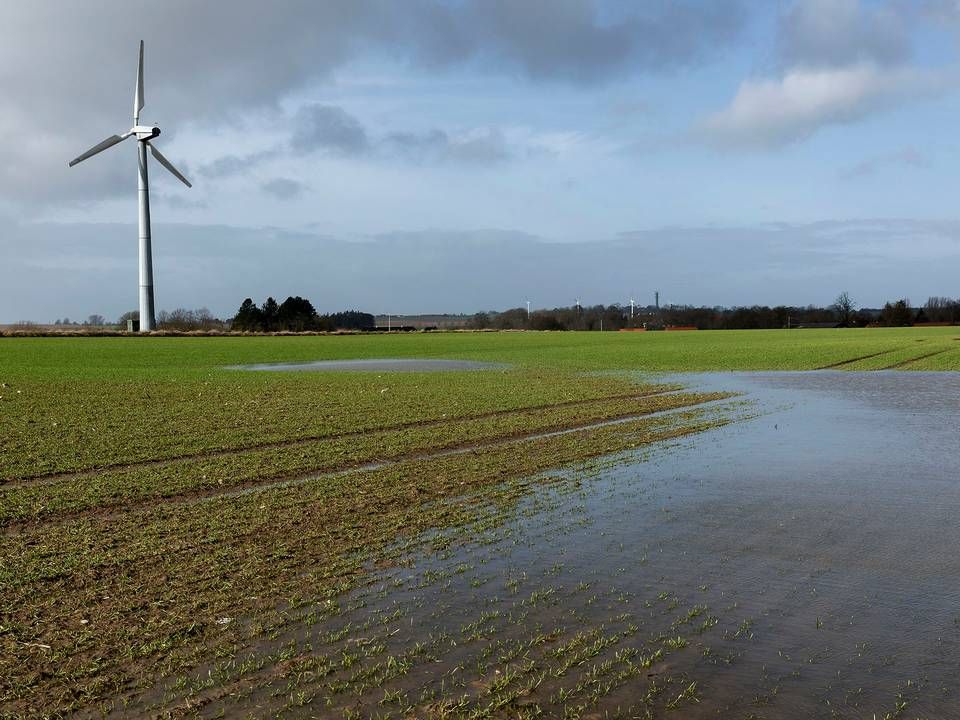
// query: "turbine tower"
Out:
[144,134]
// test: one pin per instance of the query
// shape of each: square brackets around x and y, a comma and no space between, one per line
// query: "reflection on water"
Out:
[800,564]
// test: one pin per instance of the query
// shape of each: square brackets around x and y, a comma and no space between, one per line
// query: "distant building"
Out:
[817,325]
[423,322]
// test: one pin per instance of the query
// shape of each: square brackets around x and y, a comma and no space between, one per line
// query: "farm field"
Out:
[183,539]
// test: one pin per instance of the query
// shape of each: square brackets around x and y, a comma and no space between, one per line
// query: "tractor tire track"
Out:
[123,507]
[918,358]
[851,361]
[40,478]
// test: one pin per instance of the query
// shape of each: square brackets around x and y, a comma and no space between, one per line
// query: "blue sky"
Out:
[688,130]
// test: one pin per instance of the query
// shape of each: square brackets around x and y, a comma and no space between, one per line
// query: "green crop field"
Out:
[176,534]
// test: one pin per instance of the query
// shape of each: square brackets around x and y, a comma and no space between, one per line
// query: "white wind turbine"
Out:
[144,134]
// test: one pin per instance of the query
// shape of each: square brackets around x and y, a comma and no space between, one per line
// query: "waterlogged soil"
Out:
[801,563]
[374,365]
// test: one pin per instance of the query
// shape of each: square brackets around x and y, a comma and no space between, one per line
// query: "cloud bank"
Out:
[69,82]
[466,271]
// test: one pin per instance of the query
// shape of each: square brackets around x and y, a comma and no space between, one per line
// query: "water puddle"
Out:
[374,365]
[801,563]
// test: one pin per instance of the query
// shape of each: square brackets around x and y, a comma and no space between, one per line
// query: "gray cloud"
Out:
[230,165]
[942,13]
[433,271]
[484,146]
[839,33]
[177,201]
[572,40]
[905,158]
[283,188]
[69,83]
[330,129]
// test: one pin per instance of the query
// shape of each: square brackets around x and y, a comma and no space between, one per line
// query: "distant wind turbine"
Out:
[144,134]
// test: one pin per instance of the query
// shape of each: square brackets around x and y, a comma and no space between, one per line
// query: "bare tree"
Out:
[844,307]
[942,309]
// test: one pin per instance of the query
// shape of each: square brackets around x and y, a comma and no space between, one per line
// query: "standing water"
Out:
[799,563]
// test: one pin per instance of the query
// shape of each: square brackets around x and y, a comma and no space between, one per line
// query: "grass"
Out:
[69,404]
[175,532]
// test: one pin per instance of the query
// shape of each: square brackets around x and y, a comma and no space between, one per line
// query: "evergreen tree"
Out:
[296,314]
[268,314]
[248,317]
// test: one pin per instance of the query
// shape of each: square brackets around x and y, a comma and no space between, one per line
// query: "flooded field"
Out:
[565,535]
[799,563]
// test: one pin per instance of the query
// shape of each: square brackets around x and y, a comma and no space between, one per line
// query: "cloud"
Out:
[837,61]
[334,131]
[481,146]
[816,34]
[446,271]
[328,128]
[768,113]
[283,188]
[177,201]
[585,42]
[905,158]
[230,165]
[67,85]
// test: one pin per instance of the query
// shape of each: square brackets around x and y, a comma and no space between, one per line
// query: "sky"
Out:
[468,155]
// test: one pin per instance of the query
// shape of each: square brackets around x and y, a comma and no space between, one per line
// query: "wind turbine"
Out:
[144,134]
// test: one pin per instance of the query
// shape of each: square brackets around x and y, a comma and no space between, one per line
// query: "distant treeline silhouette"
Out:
[296,314]
[842,313]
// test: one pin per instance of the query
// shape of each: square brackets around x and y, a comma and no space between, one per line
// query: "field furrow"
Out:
[183,480]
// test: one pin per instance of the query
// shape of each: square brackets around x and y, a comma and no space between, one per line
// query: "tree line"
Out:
[842,313]
[296,314]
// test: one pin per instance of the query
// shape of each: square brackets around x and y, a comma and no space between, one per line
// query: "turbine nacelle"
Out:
[144,132]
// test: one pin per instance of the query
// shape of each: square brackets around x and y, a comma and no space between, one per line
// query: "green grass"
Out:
[74,403]
[188,357]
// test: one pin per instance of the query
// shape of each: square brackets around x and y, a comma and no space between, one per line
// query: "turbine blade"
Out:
[100,147]
[138,96]
[169,166]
